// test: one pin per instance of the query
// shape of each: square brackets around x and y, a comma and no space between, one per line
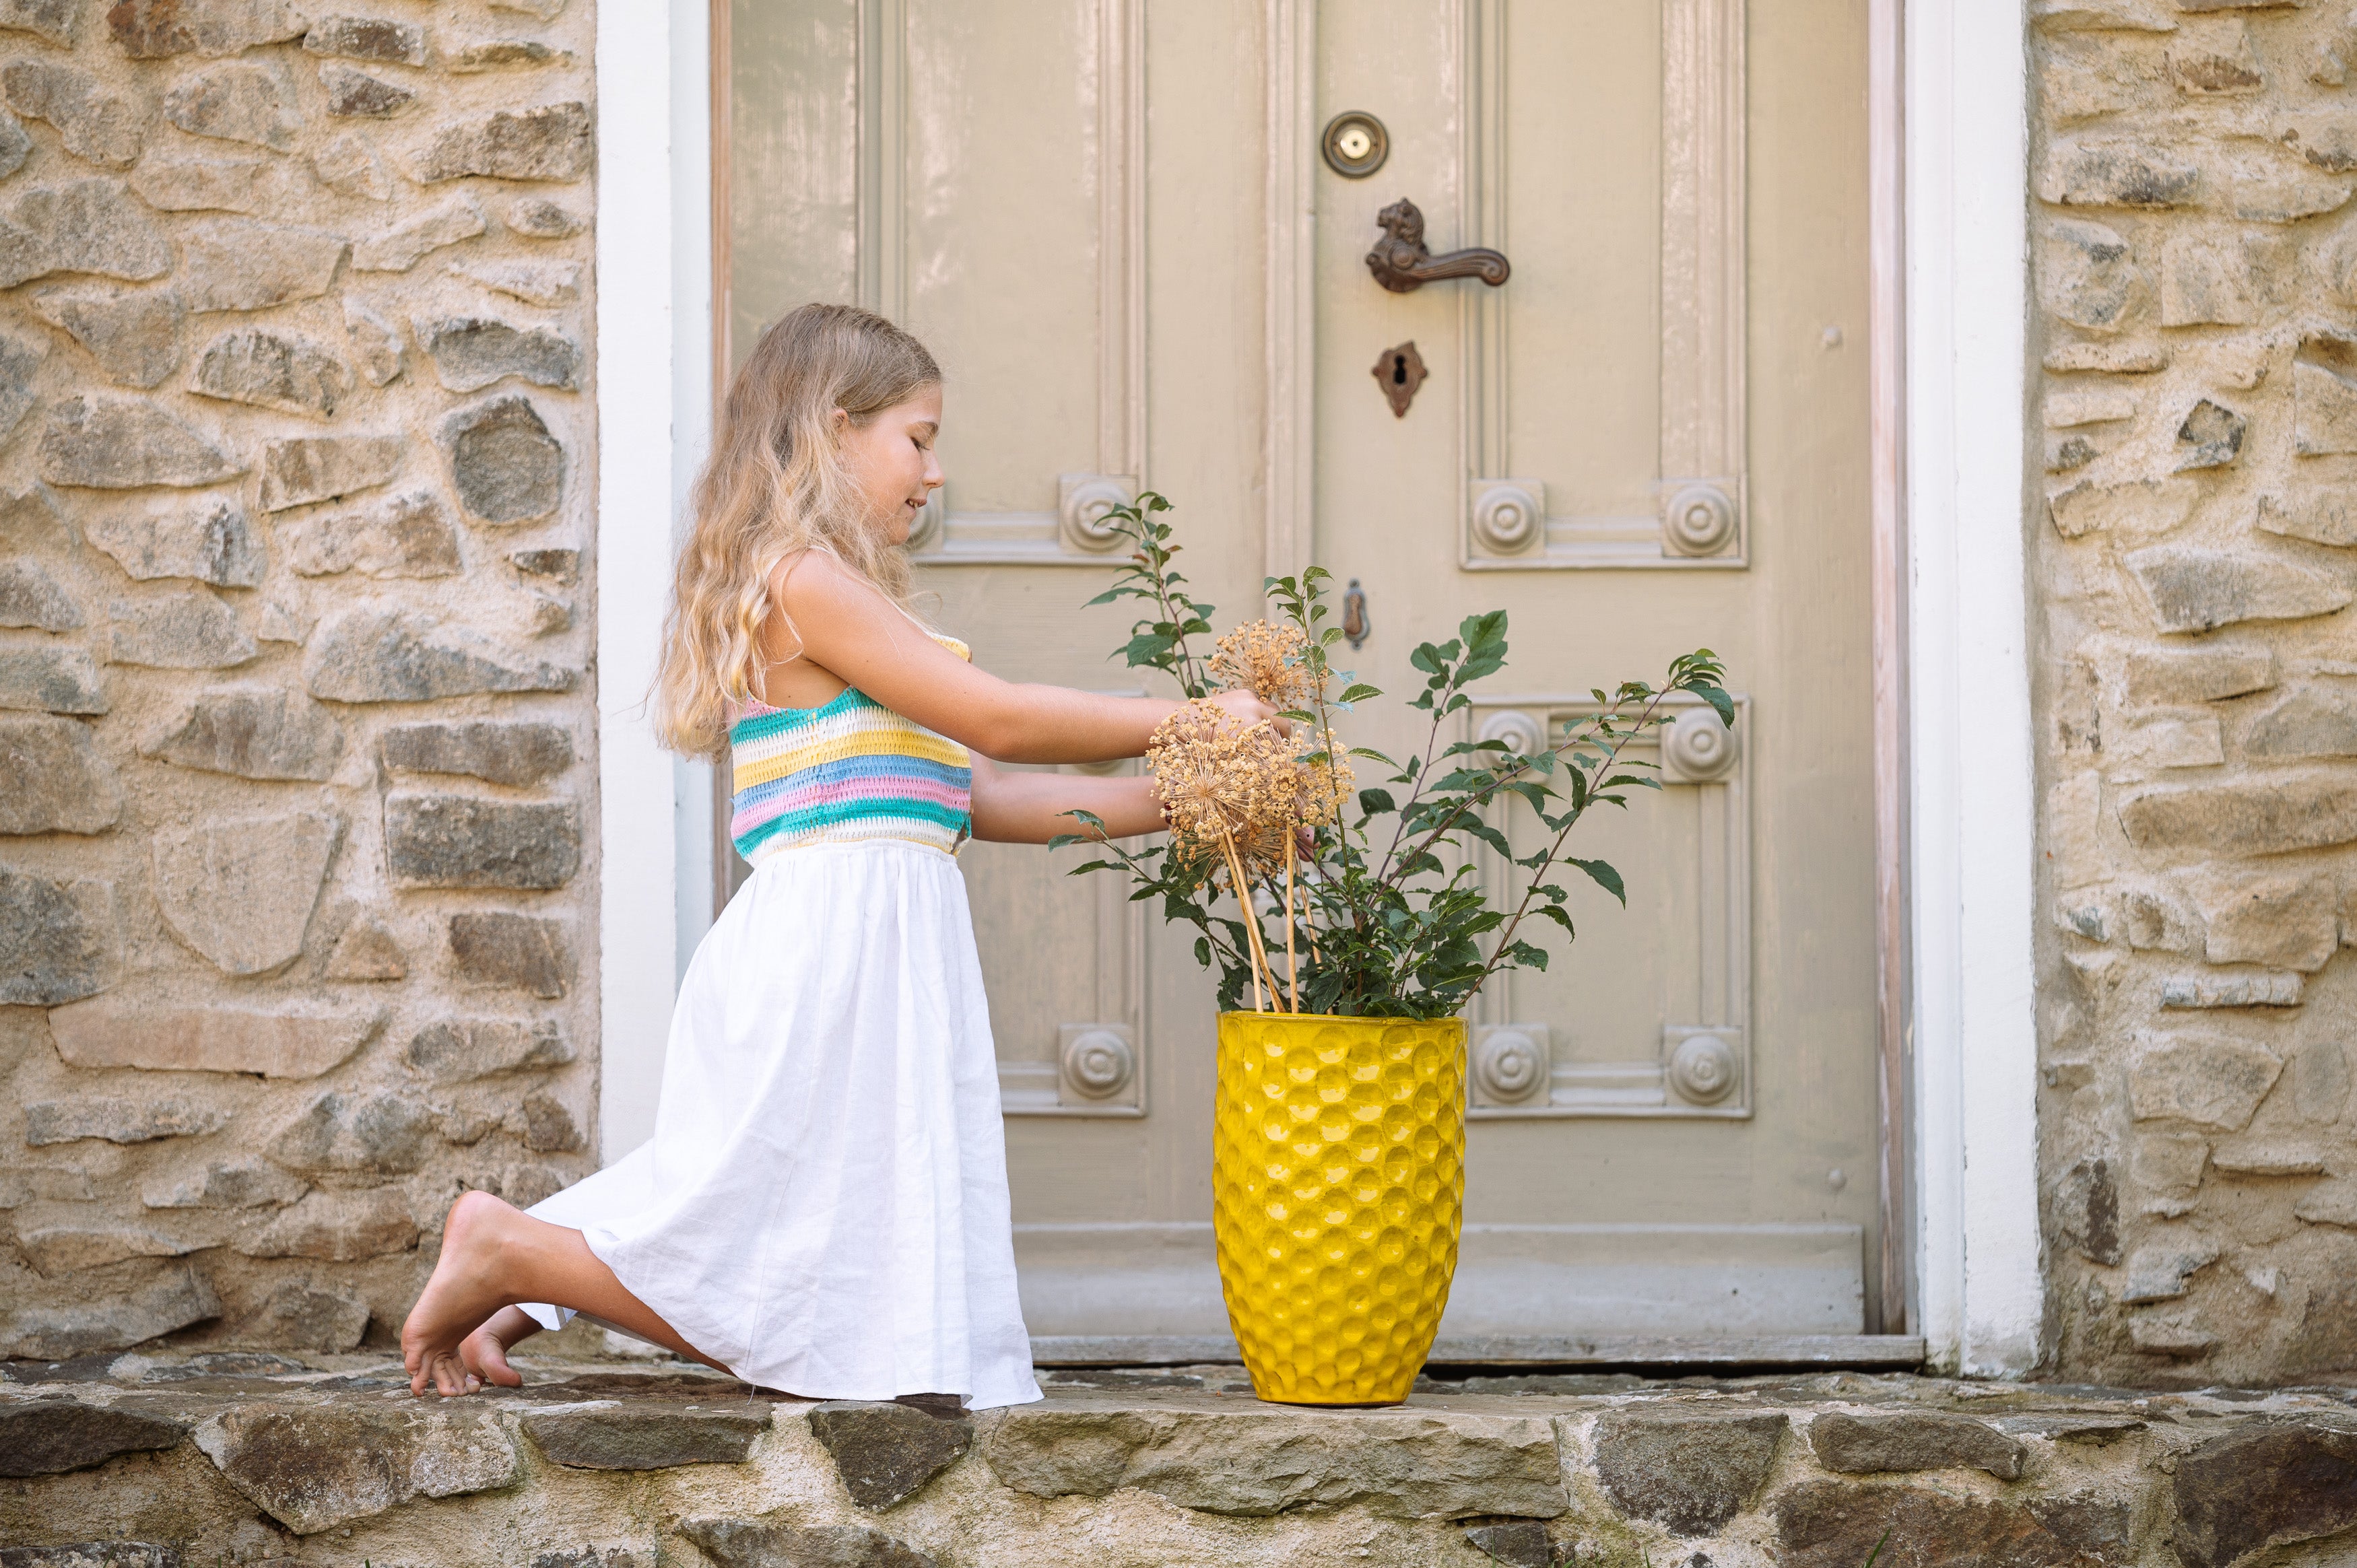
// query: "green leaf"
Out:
[1373,802]
[1359,693]
[1604,878]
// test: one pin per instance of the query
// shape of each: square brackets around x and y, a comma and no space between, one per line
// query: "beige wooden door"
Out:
[1113,222]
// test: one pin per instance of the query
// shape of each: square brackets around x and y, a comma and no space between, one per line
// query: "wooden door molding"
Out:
[1071,535]
[1703,1067]
[1700,519]
[1288,455]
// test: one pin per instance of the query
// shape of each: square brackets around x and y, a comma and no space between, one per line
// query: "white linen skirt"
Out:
[823,1207]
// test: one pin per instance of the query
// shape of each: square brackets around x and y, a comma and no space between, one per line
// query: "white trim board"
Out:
[1973,818]
[653,349]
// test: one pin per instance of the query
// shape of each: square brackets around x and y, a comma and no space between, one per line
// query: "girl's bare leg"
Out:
[494,1255]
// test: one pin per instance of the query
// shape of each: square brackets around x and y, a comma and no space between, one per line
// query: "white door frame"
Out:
[1952,488]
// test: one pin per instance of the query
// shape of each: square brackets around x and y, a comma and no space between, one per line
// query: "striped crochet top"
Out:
[848,769]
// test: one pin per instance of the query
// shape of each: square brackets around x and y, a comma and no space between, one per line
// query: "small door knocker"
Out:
[1355,625]
[1402,264]
[1399,371]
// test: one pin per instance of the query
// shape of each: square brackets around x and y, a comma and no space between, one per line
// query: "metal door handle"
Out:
[1402,264]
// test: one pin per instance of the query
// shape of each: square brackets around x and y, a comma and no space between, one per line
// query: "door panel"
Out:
[1111,221]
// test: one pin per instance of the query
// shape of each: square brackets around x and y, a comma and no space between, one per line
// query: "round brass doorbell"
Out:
[1355,145]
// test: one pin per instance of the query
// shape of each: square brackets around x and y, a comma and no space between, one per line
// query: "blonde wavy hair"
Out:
[777,483]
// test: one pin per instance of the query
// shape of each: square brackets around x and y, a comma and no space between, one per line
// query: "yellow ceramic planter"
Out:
[1337,1167]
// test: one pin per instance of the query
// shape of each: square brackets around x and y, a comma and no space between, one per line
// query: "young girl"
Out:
[823,1208]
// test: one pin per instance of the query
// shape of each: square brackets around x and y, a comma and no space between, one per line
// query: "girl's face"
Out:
[892,462]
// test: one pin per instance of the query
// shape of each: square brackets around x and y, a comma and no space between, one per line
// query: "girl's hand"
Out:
[1248,707]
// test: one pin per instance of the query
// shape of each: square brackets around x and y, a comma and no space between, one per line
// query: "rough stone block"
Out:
[458,841]
[208,542]
[50,1122]
[2324,396]
[2275,1482]
[135,336]
[357,95]
[235,263]
[548,1127]
[115,444]
[367,951]
[350,165]
[372,654]
[158,29]
[1259,1463]
[50,1437]
[2210,1080]
[526,1184]
[2211,437]
[376,1134]
[295,1316]
[534,283]
[408,536]
[202,185]
[236,1184]
[376,343]
[297,1039]
[49,20]
[560,566]
[1881,1442]
[293,375]
[2197,992]
[237,103]
[2116,174]
[406,243]
[29,597]
[2216,64]
[312,468]
[335,1226]
[1833,1524]
[2284,921]
[2144,508]
[505,54]
[2260,816]
[506,465]
[608,1436]
[537,218]
[367,37]
[2192,589]
[2175,740]
[313,1469]
[252,732]
[178,631]
[2086,1210]
[511,753]
[458,1050]
[107,128]
[755,1543]
[886,1454]
[1688,1473]
[57,941]
[50,679]
[2088,277]
[518,951]
[80,226]
[2157,677]
[552,142]
[56,1249]
[471,352]
[175,1296]
[52,779]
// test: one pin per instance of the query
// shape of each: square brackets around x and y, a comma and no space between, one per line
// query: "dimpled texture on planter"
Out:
[1338,1169]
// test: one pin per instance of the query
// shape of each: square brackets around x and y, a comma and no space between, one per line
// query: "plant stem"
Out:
[1292,973]
[1258,957]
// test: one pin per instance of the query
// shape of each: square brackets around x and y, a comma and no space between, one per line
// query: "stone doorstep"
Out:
[145,1461]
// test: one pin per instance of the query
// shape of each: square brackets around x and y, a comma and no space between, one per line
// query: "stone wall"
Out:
[297,727]
[2192,172]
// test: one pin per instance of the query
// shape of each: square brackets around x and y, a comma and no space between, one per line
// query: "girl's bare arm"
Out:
[1032,807]
[852,631]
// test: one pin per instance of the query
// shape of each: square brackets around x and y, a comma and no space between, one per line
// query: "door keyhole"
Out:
[1399,371]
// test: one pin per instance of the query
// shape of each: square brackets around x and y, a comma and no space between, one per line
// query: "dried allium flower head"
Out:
[1324,785]
[1224,783]
[1269,661]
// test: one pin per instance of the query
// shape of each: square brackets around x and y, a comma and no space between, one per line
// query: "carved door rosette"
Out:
[1693,1064]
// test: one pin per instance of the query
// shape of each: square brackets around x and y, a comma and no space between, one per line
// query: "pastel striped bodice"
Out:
[846,770]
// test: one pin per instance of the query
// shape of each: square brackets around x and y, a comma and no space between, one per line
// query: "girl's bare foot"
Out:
[485,1351]
[466,1289]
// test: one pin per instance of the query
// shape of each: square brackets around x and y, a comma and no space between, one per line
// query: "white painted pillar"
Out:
[1974,805]
[654,408]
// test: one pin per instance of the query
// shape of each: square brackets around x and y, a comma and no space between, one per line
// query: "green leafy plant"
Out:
[1378,911]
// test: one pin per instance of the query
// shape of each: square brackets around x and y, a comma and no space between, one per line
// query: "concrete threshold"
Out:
[160,1462]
